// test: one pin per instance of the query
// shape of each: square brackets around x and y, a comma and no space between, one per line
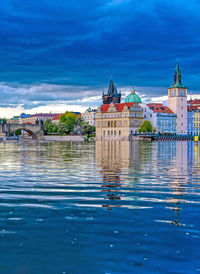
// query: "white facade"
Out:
[177,102]
[89,116]
[148,114]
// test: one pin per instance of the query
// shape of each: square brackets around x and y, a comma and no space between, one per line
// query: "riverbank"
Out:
[66,138]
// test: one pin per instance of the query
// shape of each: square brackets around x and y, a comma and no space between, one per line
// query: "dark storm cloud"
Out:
[70,48]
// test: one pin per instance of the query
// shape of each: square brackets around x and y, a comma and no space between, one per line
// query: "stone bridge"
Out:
[35,130]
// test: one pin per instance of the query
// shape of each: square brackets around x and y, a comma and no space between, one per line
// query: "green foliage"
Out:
[69,119]
[146,126]
[87,128]
[63,129]
[49,127]
[2,120]
[18,132]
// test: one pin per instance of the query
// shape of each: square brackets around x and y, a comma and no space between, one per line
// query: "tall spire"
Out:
[177,76]
[111,88]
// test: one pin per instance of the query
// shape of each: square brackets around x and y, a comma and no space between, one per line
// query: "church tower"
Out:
[112,95]
[177,101]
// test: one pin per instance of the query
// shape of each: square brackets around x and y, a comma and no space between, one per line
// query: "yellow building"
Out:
[197,121]
[118,121]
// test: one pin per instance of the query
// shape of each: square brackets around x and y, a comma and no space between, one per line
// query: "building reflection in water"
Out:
[112,157]
[171,166]
[180,173]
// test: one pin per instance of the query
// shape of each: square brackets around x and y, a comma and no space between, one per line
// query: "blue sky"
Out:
[58,55]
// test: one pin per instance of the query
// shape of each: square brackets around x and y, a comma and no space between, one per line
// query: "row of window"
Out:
[112,132]
[181,93]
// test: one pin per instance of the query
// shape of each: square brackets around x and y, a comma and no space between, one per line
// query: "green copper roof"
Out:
[177,85]
[133,98]
[177,77]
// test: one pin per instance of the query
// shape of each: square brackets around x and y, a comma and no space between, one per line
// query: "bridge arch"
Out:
[34,130]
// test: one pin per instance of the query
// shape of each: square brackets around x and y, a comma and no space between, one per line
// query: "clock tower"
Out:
[177,101]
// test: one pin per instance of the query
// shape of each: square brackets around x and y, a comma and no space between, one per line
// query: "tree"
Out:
[49,127]
[69,118]
[63,129]
[46,125]
[87,128]
[18,132]
[146,126]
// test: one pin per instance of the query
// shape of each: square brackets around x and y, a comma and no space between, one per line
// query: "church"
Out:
[116,120]
[112,95]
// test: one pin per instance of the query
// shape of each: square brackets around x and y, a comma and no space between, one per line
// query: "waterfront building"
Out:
[195,102]
[22,117]
[197,121]
[56,119]
[148,114]
[190,119]
[112,95]
[165,119]
[177,101]
[13,120]
[118,121]
[32,119]
[89,116]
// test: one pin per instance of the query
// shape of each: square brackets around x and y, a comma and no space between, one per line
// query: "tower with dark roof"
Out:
[112,95]
[177,101]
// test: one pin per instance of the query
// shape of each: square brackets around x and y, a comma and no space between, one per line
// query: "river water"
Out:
[114,207]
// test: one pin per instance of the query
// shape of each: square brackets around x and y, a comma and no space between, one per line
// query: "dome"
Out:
[133,97]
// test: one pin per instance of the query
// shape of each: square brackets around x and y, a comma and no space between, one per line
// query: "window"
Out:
[115,132]
[115,123]
[108,123]
[104,133]
[109,132]
[119,132]
[182,93]
[173,93]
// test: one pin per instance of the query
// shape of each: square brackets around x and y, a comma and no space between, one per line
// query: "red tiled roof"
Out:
[57,117]
[155,105]
[119,107]
[159,108]
[191,108]
[194,102]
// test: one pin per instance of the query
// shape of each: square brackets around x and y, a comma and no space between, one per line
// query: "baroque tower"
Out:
[112,95]
[177,101]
